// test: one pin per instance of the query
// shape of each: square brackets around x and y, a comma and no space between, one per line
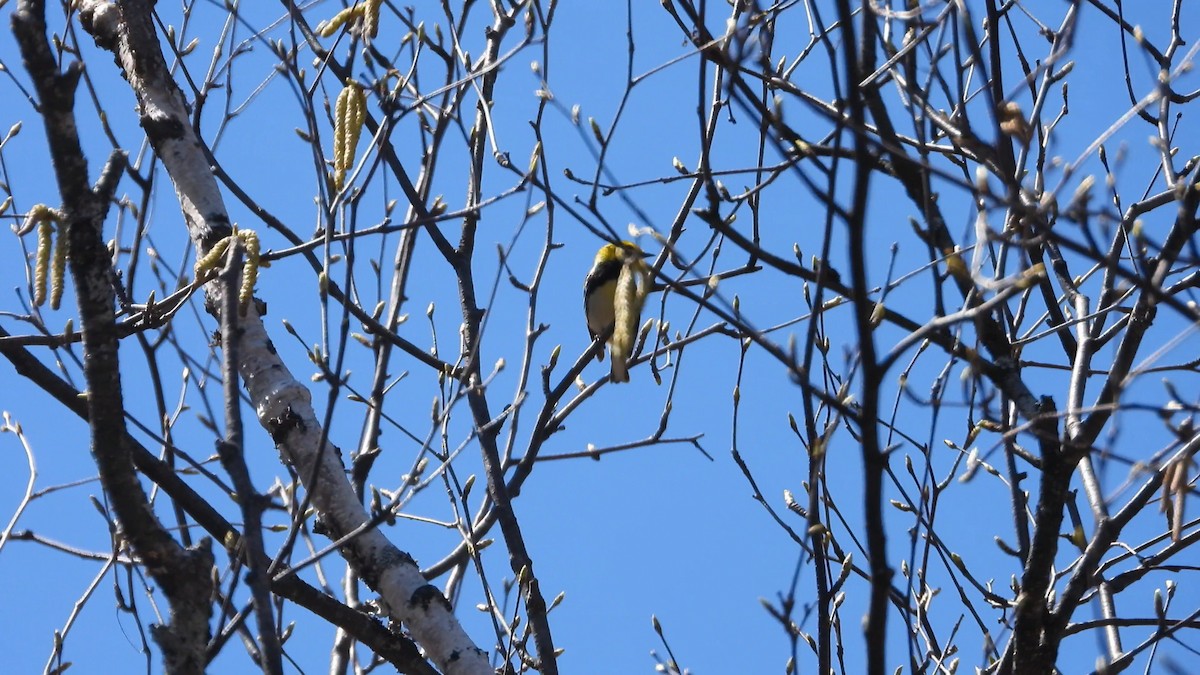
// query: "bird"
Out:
[613,294]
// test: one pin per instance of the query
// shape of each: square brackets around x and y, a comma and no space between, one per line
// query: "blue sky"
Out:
[656,531]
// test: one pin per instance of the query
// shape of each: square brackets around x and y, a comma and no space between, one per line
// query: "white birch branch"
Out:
[283,405]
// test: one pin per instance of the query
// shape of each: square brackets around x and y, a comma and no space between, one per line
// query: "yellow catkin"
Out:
[632,286]
[371,18]
[339,139]
[215,259]
[58,270]
[358,114]
[249,270]
[212,260]
[350,113]
[39,213]
[329,28]
[41,269]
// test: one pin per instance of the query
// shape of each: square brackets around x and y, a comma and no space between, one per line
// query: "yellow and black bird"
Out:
[613,294]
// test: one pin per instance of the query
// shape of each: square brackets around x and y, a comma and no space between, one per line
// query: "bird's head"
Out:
[619,252]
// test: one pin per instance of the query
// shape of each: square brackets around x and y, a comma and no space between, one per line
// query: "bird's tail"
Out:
[620,369]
